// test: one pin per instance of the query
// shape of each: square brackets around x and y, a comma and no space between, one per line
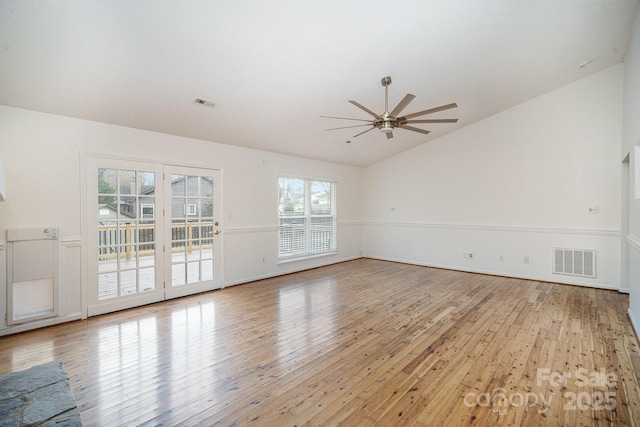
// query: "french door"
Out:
[192,230]
[153,233]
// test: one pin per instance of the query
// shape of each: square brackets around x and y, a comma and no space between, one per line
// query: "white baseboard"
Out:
[496,273]
[40,324]
[288,271]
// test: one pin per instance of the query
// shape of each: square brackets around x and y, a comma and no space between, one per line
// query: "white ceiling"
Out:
[273,67]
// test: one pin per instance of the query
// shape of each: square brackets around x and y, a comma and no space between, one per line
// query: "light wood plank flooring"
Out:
[364,342]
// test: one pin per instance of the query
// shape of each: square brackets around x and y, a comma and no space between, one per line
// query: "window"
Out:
[306,210]
[147,211]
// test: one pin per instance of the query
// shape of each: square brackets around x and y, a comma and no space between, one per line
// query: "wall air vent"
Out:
[574,262]
[204,102]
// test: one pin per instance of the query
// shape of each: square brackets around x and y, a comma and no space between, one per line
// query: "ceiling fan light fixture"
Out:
[386,127]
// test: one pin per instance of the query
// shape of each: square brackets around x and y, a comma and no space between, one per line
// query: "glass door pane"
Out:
[195,229]
[126,228]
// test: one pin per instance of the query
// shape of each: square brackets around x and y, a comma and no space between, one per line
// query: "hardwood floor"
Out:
[364,342]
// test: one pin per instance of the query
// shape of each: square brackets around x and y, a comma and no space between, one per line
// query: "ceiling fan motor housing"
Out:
[386,125]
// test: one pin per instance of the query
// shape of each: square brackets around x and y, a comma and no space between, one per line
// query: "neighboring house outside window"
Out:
[307,217]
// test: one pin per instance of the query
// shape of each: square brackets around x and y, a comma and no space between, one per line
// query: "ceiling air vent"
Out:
[574,262]
[204,102]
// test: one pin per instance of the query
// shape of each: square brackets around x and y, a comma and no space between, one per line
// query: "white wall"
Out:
[42,156]
[514,185]
[631,146]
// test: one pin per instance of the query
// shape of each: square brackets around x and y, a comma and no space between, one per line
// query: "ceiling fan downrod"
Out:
[385,124]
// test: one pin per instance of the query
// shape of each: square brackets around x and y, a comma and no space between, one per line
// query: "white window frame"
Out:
[308,251]
[191,209]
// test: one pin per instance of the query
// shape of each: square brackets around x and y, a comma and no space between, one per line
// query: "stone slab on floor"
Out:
[38,396]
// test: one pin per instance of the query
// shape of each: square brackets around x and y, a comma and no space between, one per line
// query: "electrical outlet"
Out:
[526,260]
[467,255]
[501,258]
[594,209]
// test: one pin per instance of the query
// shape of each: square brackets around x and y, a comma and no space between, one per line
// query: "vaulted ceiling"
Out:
[272,68]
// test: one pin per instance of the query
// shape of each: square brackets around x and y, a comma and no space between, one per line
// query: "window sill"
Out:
[304,257]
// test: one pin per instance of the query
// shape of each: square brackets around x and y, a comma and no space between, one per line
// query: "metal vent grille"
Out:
[574,262]
[204,102]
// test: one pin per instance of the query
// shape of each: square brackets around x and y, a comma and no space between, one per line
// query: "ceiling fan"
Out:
[388,121]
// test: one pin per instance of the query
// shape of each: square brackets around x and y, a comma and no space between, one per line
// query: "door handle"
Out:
[216,231]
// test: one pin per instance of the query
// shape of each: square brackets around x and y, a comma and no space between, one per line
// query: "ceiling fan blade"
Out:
[402,104]
[389,135]
[347,127]
[365,109]
[429,111]
[346,118]
[372,127]
[414,129]
[430,121]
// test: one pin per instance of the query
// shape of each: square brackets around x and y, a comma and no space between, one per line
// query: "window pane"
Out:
[293,236]
[107,259]
[192,207]
[128,207]
[107,233]
[146,183]
[322,234]
[206,207]
[147,255]
[177,185]
[147,279]
[207,248]
[207,270]
[291,197]
[206,186]
[193,188]
[193,272]
[321,203]
[146,233]
[107,181]
[127,182]
[193,250]
[128,282]
[107,285]
[178,274]
[178,250]
[178,231]
[128,232]
[107,207]
[178,207]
